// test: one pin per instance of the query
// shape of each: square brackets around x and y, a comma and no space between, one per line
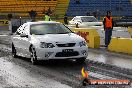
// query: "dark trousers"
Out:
[66,22]
[108,34]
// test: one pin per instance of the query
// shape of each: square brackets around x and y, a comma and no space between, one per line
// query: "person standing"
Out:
[98,15]
[95,14]
[108,27]
[32,15]
[66,19]
[10,23]
[88,14]
[77,1]
[47,17]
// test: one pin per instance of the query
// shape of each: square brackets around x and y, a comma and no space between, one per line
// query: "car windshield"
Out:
[54,28]
[89,19]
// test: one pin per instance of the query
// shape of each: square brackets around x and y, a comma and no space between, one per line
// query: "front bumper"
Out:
[57,53]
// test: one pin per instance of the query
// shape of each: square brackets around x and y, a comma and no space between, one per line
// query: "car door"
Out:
[25,42]
[16,39]
[77,20]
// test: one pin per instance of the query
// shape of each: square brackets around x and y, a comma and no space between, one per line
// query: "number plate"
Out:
[67,50]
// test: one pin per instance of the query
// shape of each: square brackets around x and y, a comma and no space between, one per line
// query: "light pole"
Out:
[20,20]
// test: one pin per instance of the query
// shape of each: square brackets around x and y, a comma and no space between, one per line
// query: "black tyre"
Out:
[33,56]
[14,51]
[80,60]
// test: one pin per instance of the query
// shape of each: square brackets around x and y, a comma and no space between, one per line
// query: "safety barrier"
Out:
[130,31]
[121,45]
[120,32]
[90,35]
[3,22]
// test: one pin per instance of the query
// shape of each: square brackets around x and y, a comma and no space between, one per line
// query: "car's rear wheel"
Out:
[14,51]
[33,56]
[81,60]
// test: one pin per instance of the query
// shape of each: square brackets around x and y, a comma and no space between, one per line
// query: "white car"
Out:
[48,40]
[85,21]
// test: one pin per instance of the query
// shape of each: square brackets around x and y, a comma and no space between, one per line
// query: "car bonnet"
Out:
[64,38]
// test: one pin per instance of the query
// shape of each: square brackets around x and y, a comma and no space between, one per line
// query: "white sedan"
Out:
[48,40]
[85,21]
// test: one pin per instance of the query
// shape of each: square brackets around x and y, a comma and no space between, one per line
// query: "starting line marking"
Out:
[3,35]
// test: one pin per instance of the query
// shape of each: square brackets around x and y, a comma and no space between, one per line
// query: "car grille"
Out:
[66,54]
[66,45]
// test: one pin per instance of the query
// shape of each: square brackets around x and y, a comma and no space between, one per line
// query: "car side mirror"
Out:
[23,35]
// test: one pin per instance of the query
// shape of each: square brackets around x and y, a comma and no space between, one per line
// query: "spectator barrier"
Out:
[121,45]
[130,31]
[90,35]
[3,22]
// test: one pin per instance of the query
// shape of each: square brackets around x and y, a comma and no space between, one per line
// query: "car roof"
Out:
[42,22]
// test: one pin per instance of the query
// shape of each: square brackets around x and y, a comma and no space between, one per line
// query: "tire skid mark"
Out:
[34,78]
[73,75]
[11,78]
[119,73]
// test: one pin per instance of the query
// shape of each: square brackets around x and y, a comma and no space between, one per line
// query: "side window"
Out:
[73,19]
[21,30]
[77,19]
[18,32]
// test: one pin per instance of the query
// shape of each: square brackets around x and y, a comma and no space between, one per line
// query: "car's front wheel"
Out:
[14,51]
[81,60]
[33,56]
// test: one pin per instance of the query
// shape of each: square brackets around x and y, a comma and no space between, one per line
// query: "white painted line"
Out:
[3,35]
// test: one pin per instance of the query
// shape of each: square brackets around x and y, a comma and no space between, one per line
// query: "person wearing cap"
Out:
[108,27]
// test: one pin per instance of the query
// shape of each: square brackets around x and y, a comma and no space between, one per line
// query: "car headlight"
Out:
[46,45]
[82,43]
